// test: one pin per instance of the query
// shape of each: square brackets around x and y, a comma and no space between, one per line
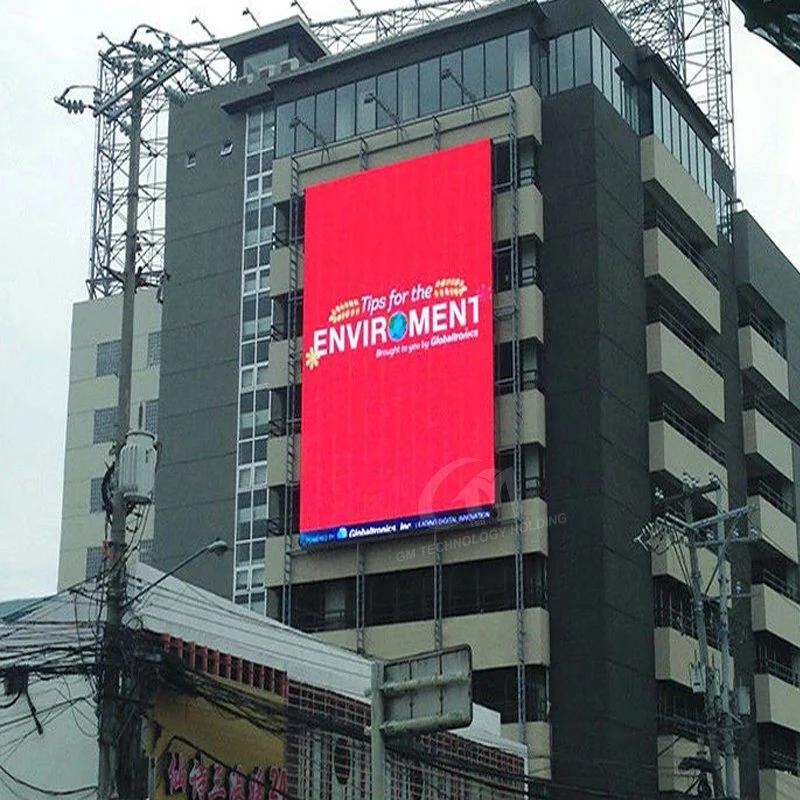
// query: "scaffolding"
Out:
[182,69]
[693,37]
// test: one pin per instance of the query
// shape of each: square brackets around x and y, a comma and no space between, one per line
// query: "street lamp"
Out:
[218,547]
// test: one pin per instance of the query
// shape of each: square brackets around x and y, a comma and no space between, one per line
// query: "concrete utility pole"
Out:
[713,534]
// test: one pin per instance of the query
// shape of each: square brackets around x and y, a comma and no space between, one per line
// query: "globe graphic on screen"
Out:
[398,326]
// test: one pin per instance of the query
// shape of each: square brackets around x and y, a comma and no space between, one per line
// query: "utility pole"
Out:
[109,712]
[720,719]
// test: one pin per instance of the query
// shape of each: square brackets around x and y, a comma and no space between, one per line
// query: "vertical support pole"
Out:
[731,787]
[437,592]
[109,724]
[360,599]
[377,747]
[702,642]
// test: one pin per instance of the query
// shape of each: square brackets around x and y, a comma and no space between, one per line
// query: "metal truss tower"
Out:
[366,28]
[185,68]
[694,39]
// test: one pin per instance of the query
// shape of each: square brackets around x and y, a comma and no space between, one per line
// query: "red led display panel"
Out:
[397,396]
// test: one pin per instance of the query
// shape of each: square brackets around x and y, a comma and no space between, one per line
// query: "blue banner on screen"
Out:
[407,525]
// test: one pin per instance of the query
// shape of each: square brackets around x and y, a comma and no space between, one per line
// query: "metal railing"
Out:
[764,331]
[780,585]
[691,340]
[762,489]
[684,622]
[657,220]
[693,434]
[773,759]
[527,378]
[769,666]
[785,427]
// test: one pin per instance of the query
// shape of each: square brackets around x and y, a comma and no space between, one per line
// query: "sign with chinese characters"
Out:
[398,393]
[203,778]
[226,743]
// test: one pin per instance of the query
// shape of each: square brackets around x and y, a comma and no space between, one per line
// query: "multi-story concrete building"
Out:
[91,425]
[643,333]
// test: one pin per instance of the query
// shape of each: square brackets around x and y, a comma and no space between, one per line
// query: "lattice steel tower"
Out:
[694,39]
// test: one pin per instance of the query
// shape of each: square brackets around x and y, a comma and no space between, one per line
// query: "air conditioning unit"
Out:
[288,64]
[246,79]
[269,71]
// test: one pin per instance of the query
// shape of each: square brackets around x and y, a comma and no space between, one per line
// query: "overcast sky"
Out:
[46,176]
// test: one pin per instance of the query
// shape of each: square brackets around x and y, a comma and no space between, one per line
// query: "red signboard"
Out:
[397,395]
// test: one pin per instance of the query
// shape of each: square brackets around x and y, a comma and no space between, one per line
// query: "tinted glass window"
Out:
[325,115]
[496,67]
[519,60]
[451,86]
[283,131]
[408,92]
[473,70]
[429,83]
[387,96]
[365,110]
[597,66]
[657,122]
[564,67]
[345,111]
[583,57]
[304,132]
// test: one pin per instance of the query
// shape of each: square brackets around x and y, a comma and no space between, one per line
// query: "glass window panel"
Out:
[429,87]
[251,223]
[326,105]
[676,132]
[473,70]
[304,134]
[608,83]
[695,173]
[658,128]
[408,92]
[345,111]
[387,95]
[551,65]
[284,133]
[597,65]
[709,170]
[265,234]
[616,82]
[496,67]
[365,111]
[666,121]
[583,57]
[451,89]
[519,60]
[254,131]
[685,133]
[565,69]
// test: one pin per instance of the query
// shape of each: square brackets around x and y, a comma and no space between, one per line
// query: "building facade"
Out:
[91,425]
[643,335]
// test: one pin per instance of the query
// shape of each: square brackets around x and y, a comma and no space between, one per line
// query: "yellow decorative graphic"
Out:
[345,310]
[449,287]
[312,358]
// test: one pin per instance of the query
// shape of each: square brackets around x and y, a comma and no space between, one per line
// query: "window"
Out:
[365,108]
[226,148]
[531,465]
[154,349]
[345,111]
[326,105]
[528,366]
[473,70]
[496,67]
[399,596]
[528,258]
[430,81]
[105,425]
[94,562]
[325,606]
[408,92]
[191,159]
[386,99]
[497,689]
[146,551]
[108,355]
[451,86]
[96,496]
[151,416]
[519,60]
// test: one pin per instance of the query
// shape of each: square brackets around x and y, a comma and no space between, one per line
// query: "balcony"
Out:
[761,357]
[676,353]
[774,518]
[677,447]
[532,427]
[765,443]
[776,784]
[777,695]
[531,318]
[675,188]
[530,220]
[671,259]
[675,652]
[775,612]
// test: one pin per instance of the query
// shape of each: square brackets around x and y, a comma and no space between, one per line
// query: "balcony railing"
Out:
[526,379]
[657,220]
[769,666]
[783,762]
[693,434]
[684,622]
[677,725]
[762,489]
[783,425]
[764,330]
[692,341]
[780,585]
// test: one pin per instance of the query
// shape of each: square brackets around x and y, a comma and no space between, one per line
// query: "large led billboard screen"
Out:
[397,397]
